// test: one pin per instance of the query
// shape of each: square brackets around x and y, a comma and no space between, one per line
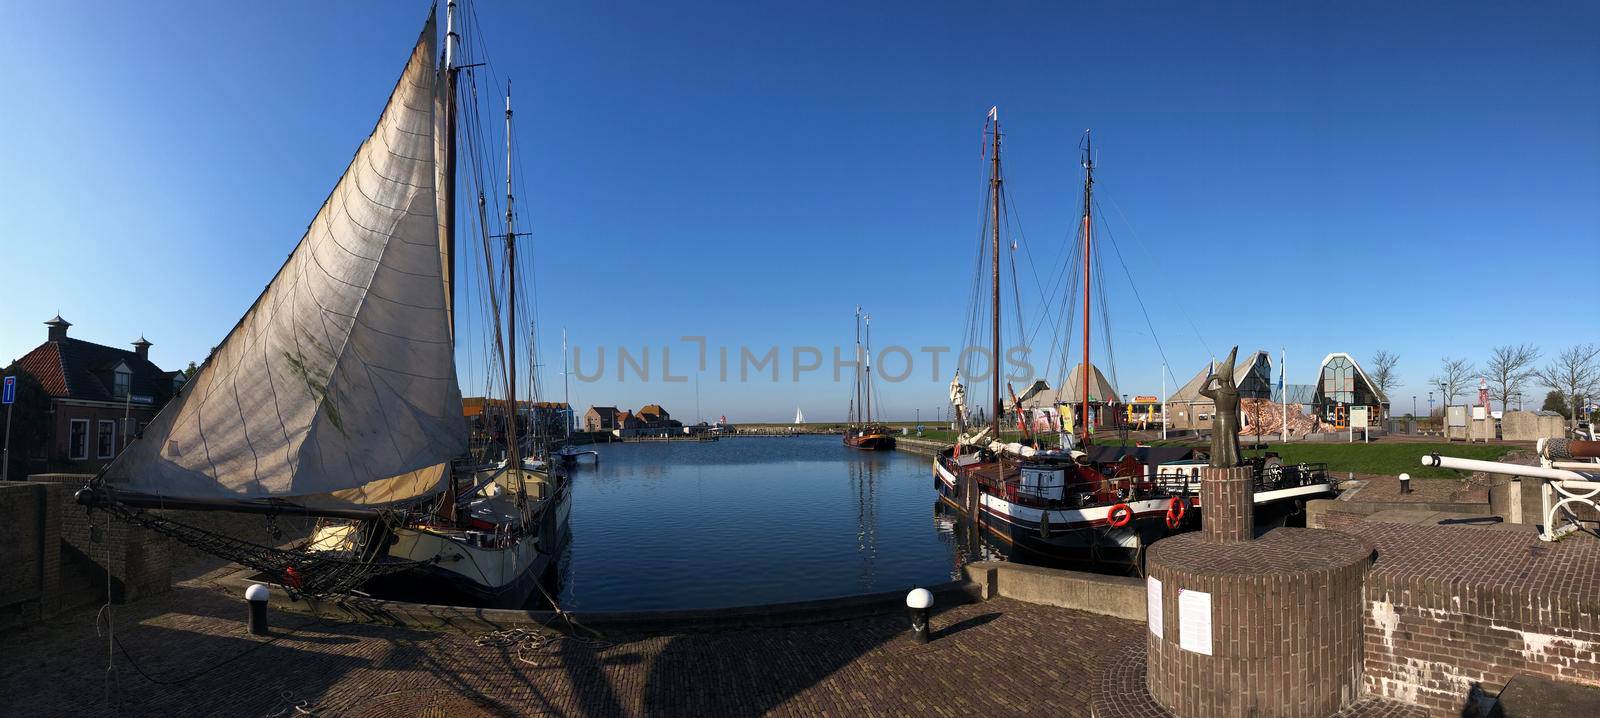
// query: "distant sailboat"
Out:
[799,416]
[861,432]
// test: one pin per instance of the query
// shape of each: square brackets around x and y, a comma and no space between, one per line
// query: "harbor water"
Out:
[750,520]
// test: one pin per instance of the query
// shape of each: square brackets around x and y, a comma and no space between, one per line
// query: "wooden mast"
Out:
[450,73]
[994,190]
[866,388]
[1088,248]
[513,447]
[855,409]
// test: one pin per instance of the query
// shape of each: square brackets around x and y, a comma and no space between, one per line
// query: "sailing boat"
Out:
[567,453]
[336,396]
[1054,503]
[799,416]
[1080,501]
[861,431]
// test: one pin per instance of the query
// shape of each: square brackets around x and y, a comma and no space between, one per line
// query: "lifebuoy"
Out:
[1120,515]
[1175,511]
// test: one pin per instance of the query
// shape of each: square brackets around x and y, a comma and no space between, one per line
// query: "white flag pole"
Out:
[1163,401]
[1283,388]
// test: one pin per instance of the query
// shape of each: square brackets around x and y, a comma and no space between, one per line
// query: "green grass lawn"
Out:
[1388,458]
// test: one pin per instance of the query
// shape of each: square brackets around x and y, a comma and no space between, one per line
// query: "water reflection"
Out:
[967,541]
[674,525]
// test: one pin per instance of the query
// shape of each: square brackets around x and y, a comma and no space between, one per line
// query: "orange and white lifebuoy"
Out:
[1175,511]
[1120,515]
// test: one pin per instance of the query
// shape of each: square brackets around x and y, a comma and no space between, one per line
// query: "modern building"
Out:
[100,397]
[1342,386]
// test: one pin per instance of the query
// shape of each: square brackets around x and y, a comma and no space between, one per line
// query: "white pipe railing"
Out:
[1561,487]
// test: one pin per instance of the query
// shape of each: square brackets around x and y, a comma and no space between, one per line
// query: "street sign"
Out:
[9,393]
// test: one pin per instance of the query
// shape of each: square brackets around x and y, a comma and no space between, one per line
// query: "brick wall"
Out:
[30,540]
[1450,609]
[140,561]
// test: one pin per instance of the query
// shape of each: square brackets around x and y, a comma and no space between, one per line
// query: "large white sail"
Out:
[342,374]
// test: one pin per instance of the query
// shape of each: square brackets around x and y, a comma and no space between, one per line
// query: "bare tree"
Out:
[1508,368]
[1575,373]
[1383,373]
[1452,379]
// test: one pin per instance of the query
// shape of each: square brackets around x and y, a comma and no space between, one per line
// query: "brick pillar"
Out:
[1227,504]
[1276,624]
[140,560]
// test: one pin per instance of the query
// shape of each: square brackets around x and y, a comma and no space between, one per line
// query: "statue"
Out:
[958,401]
[1222,391]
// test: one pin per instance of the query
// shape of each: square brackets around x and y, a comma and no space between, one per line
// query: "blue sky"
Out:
[1423,181]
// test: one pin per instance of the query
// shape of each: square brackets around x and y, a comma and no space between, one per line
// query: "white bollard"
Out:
[920,602]
[257,595]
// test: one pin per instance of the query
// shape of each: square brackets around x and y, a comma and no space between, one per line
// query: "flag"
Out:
[994,113]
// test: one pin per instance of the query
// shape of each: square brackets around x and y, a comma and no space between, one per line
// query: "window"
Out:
[123,381]
[78,440]
[107,441]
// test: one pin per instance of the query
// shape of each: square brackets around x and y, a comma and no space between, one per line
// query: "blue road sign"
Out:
[9,394]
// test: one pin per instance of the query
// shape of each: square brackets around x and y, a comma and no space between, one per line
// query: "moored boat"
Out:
[1079,500]
[336,396]
[861,430]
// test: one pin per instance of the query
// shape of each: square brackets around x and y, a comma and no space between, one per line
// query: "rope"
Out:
[301,571]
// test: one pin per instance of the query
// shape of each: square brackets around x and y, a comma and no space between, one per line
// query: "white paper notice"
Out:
[1194,621]
[1152,587]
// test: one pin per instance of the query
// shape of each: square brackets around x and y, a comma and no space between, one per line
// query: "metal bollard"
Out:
[1405,483]
[257,595]
[919,601]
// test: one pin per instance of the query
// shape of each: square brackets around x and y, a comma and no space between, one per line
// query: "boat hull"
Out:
[1085,535]
[1074,536]
[870,442]
[469,571]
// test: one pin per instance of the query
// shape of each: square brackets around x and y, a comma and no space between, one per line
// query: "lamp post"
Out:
[1413,406]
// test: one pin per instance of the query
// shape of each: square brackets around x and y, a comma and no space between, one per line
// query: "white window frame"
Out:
[85,455]
[99,428]
[121,371]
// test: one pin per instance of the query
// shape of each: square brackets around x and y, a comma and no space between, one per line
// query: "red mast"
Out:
[994,190]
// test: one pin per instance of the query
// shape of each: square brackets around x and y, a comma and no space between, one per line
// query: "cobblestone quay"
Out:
[996,658]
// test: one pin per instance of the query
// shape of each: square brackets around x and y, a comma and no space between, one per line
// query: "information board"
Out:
[1194,621]
[1152,586]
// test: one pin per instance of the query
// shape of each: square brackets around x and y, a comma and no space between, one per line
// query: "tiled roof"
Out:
[75,369]
[44,363]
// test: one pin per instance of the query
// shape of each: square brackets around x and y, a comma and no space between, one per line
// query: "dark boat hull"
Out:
[1086,536]
[870,442]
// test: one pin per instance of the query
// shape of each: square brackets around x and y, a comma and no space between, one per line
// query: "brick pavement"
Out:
[1386,489]
[999,657]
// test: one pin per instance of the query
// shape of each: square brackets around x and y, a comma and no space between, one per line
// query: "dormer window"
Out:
[122,381]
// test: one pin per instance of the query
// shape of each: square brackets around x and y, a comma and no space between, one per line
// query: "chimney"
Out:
[58,328]
[142,348]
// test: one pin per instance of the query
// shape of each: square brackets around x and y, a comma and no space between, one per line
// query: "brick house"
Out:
[654,415]
[600,418]
[92,388]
